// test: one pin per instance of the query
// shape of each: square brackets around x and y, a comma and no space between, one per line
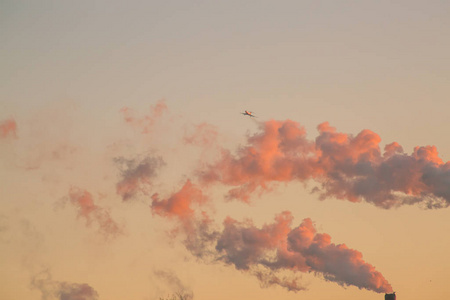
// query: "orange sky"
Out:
[129,172]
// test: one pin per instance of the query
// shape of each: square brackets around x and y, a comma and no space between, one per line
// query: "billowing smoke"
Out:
[269,251]
[146,123]
[346,167]
[136,175]
[93,213]
[8,128]
[279,247]
[184,207]
[51,289]
[180,203]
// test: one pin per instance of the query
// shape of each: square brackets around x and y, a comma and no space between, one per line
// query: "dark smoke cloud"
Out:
[136,175]
[346,167]
[51,289]
[268,278]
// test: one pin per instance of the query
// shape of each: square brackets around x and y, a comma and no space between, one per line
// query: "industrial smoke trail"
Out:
[270,251]
[348,167]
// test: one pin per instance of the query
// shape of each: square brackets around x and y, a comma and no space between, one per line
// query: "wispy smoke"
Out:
[204,135]
[8,128]
[347,167]
[184,207]
[269,278]
[136,175]
[175,284]
[93,213]
[51,289]
[146,123]
[268,251]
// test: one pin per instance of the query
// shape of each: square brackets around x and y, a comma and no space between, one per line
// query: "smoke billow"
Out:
[91,212]
[184,206]
[180,203]
[278,247]
[346,167]
[8,128]
[136,175]
[269,251]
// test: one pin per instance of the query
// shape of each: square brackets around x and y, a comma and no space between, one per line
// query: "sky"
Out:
[129,172]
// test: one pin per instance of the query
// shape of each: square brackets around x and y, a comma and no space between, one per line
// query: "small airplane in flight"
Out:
[248,113]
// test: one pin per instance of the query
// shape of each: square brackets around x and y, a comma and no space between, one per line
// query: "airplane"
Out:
[248,113]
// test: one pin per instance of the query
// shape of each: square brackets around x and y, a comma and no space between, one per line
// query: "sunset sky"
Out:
[127,171]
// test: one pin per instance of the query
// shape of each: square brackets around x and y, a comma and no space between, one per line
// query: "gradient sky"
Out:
[104,104]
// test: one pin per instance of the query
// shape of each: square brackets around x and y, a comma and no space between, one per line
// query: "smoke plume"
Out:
[184,207]
[346,167]
[8,128]
[279,247]
[136,175]
[93,213]
[268,251]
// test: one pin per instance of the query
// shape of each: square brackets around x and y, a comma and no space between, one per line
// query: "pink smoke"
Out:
[279,247]
[179,204]
[279,153]
[347,167]
[196,226]
[91,212]
[275,247]
[147,122]
[8,128]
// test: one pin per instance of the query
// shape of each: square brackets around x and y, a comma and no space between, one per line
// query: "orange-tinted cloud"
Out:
[278,153]
[93,213]
[8,128]
[179,205]
[184,207]
[354,169]
[278,247]
[347,167]
[136,175]
[267,251]
[145,123]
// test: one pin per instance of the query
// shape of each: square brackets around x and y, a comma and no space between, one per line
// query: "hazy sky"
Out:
[128,172]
